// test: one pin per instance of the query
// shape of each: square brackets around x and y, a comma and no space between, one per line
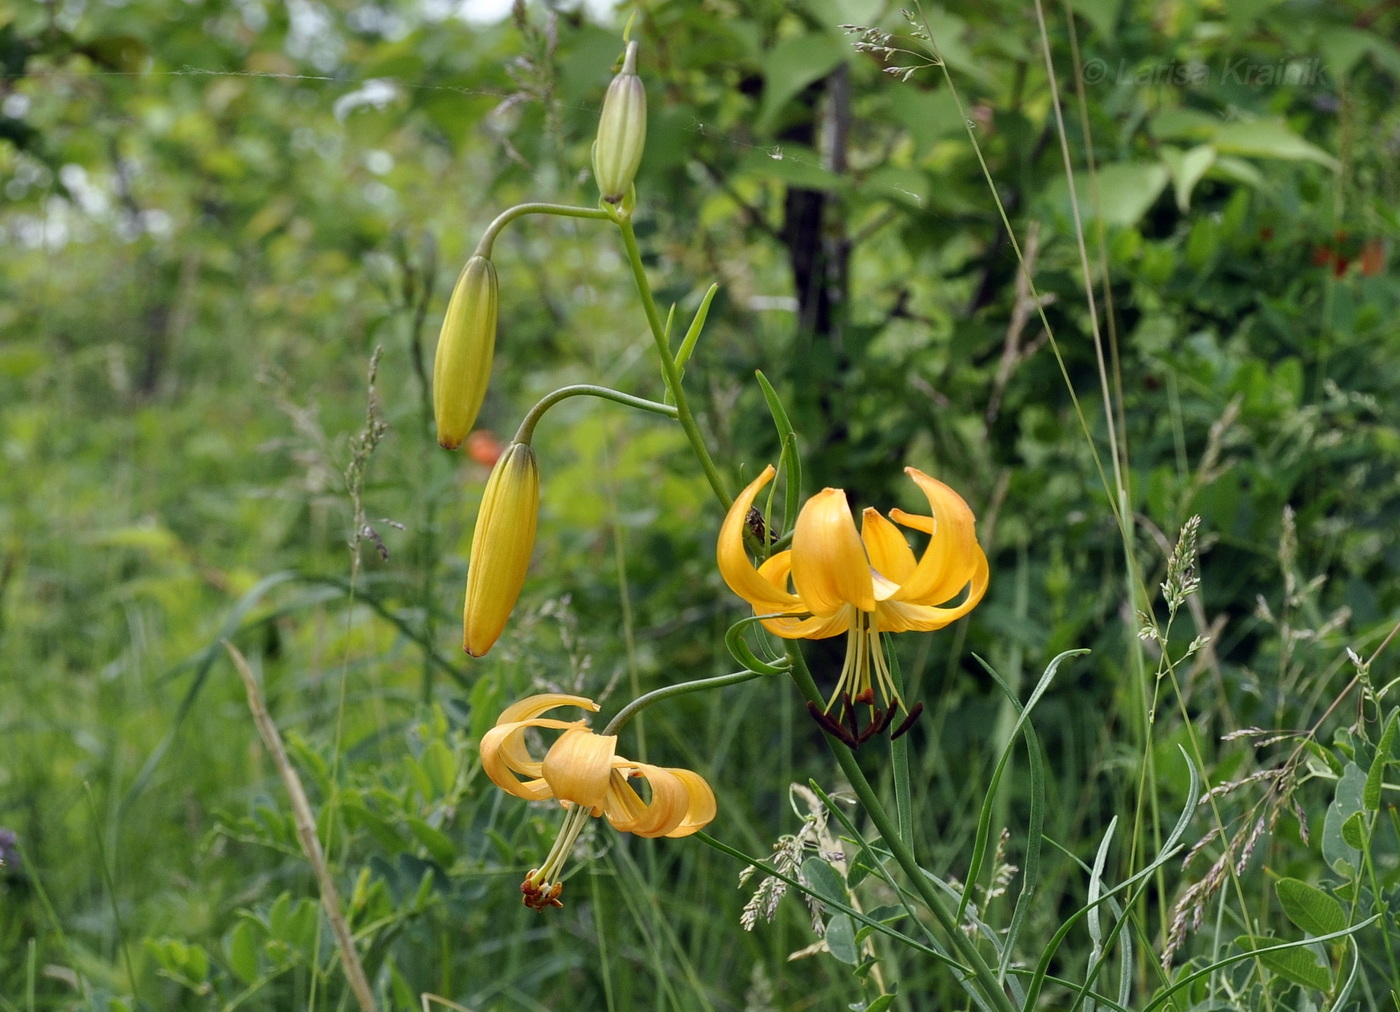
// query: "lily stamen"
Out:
[543,885]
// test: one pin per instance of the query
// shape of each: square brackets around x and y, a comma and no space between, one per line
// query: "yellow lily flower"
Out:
[583,771]
[834,580]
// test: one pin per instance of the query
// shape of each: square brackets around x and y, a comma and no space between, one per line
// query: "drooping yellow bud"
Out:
[501,546]
[622,131]
[462,366]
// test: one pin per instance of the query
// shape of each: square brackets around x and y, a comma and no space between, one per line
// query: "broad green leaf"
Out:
[441,766]
[1309,907]
[241,950]
[792,164]
[1269,138]
[1102,14]
[1187,168]
[1354,831]
[793,64]
[1183,124]
[841,938]
[1340,855]
[929,116]
[1298,965]
[1342,47]
[949,33]
[822,879]
[437,843]
[1125,191]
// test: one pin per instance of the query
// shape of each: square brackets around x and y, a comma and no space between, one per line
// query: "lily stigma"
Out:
[834,580]
[584,773]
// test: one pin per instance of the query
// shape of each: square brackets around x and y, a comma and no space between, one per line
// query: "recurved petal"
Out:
[795,627]
[533,706]
[578,764]
[504,754]
[886,548]
[669,805]
[700,808]
[829,567]
[734,564]
[814,627]
[898,616]
[623,807]
[949,561]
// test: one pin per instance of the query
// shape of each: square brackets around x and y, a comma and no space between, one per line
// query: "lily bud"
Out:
[622,131]
[501,546]
[462,365]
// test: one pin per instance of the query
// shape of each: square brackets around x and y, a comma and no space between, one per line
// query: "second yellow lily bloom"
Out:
[837,580]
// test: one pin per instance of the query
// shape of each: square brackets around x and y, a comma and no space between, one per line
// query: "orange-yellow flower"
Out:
[834,580]
[583,771]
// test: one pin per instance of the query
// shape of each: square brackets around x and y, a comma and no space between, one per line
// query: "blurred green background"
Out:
[213,212]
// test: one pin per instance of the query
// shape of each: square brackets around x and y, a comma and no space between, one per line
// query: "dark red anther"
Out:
[908,721]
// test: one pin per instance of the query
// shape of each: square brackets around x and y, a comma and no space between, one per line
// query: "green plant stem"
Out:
[667,691]
[527,427]
[987,982]
[483,248]
[669,368]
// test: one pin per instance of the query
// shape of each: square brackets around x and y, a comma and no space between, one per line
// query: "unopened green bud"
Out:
[501,547]
[622,131]
[462,366]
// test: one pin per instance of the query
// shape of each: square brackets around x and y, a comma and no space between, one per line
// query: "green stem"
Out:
[483,248]
[667,691]
[888,829]
[527,427]
[668,364]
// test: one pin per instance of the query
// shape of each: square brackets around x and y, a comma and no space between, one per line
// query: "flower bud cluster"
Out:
[505,527]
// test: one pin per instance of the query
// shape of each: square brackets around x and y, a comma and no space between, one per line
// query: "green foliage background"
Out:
[214,212]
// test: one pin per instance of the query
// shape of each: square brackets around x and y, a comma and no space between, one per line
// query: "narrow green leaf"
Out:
[1310,908]
[786,436]
[696,325]
[1371,795]
[984,819]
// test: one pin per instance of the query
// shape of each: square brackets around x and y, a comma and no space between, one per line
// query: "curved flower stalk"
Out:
[834,580]
[583,771]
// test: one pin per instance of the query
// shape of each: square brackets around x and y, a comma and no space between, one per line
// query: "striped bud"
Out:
[501,546]
[462,366]
[622,131]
